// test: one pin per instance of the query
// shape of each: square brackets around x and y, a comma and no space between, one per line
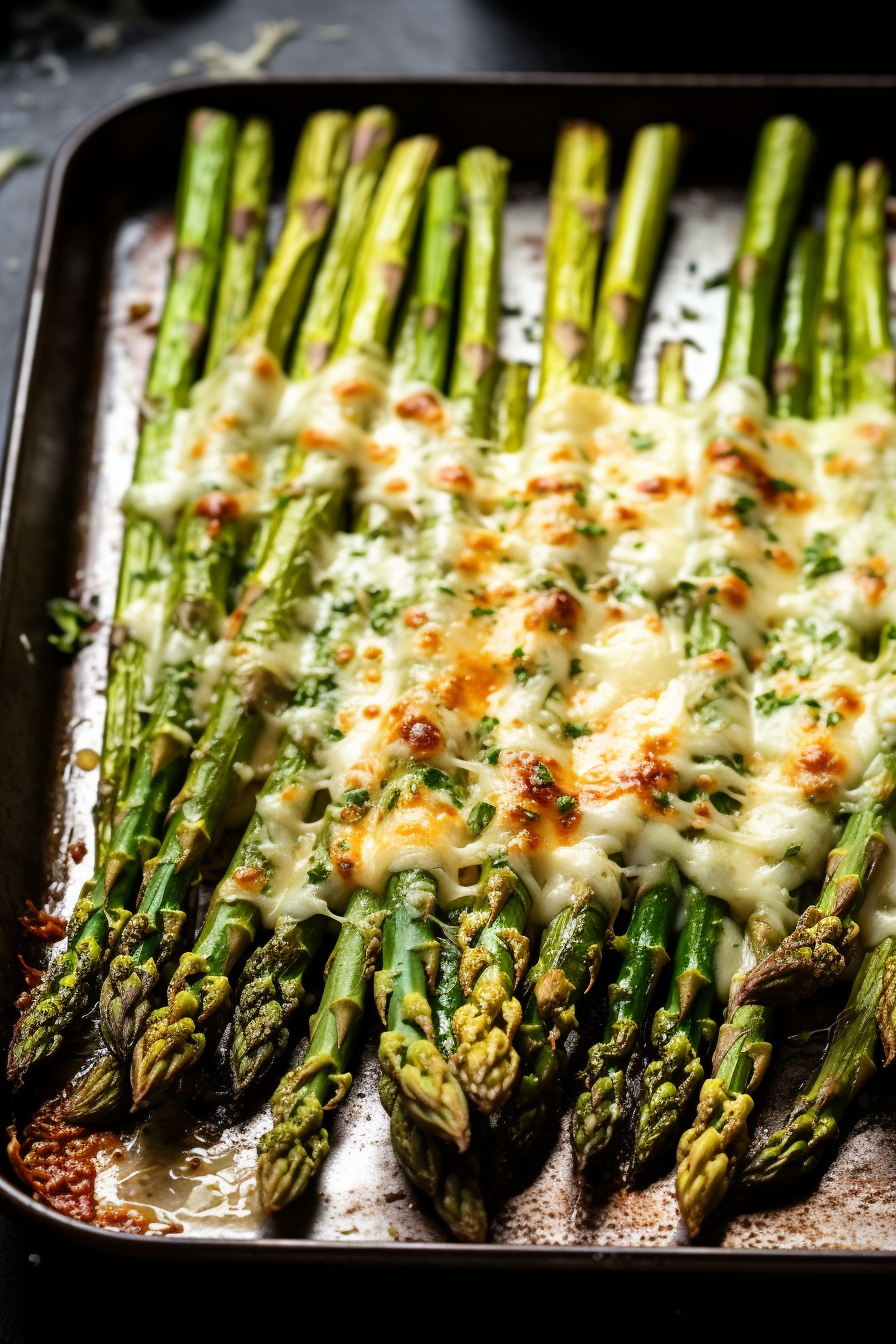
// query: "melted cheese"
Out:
[650,633]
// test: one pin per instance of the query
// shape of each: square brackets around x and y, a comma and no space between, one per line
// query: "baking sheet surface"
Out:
[196,1174]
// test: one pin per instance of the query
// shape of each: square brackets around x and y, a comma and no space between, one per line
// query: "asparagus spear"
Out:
[568,963]
[149,939]
[813,1124]
[824,940]
[632,256]
[199,227]
[318,169]
[483,183]
[599,1109]
[432,301]
[292,1151]
[377,279]
[430,1094]
[196,608]
[871,365]
[672,388]
[773,197]
[494,961]
[711,1151]
[510,405]
[578,205]
[829,352]
[372,136]
[681,1031]
[247,217]
[792,364]
[199,991]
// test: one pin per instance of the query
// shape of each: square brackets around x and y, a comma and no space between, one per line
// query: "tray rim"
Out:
[14,1200]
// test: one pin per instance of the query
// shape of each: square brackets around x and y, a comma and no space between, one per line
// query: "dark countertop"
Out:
[42,1277]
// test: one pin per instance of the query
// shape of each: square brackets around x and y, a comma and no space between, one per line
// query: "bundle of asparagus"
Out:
[475,682]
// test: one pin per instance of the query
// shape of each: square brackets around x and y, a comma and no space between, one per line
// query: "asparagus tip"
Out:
[668,1085]
[710,1152]
[809,958]
[289,1155]
[432,1095]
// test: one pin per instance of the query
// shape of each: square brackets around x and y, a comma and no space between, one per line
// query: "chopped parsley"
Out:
[577,730]
[565,803]
[640,442]
[769,701]
[355,798]
[482,611]
[591,530]
[580,498]
[820,556]
[575,667]
[480,816]
[792,850]
[521,675]
[318,872]
[541,775]
[72,622]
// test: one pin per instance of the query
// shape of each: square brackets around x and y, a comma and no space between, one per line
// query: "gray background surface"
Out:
[43,1281]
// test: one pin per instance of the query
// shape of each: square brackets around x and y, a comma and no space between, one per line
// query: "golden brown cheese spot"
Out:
[622,513]
[784,438]
[847,701]
[414,617]
[469,687]
[381,453]
[219,508]
[198,449]
[556,610]
[416,729]
[343,654]
[842,464]
[783,559]
[563,454]
[871,433]
[265,365]
[551,485]
[371,711]
[373,675]
[716,660]
[453,476]
[531,787]
[661,487]
[646,773]
[817,769]
[733,591]
[226,420]
[871,579]
[421,406]
[243,464]
[250,879]
[313,437]
[354,389]
[734,460]
[429,641]
[395,486]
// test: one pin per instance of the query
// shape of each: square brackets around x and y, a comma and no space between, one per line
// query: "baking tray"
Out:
[87,340]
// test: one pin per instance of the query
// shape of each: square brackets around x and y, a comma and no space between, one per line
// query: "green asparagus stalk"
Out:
[384,252]
[871,357]
[578,205]
[199,991]
[408,1057]
[773,198]
[681,1032]
[567,966]
[196,608]
[510,406]
[372,136]
[631,260]
[292,1151]
[319,166]
[710,1153]
[829,352]
[150,937]
[483,183]
[432,300]
[792,365]
[599,1109]
[813,1125]
[199,229]
[247,218]
[672,387]
[495,956]
[824,940]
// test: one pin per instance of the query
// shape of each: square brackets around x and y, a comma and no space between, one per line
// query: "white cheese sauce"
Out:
[652,632]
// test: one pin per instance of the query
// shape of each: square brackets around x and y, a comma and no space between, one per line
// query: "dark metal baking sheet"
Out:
[101,258]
